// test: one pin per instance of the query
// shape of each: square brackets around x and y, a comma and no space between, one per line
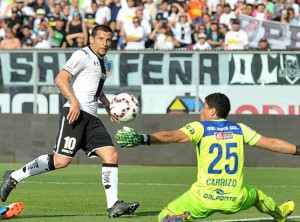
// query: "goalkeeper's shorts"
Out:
[198,208]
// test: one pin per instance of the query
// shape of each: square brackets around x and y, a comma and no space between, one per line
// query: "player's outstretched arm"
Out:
[278,145]
[128,137]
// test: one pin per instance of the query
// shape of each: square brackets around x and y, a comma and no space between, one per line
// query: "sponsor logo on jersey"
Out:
[219,195]
[223,135]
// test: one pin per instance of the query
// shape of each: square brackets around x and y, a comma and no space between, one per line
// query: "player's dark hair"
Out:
[220,102]
[103,28]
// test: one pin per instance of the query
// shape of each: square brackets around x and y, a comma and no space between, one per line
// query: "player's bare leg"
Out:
[41,164]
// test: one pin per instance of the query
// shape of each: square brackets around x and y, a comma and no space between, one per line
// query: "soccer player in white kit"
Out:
[81,82]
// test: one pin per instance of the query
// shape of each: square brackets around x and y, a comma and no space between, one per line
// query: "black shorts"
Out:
[87,133]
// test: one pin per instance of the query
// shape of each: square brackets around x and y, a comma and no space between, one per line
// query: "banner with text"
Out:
[279,35]
[27,78]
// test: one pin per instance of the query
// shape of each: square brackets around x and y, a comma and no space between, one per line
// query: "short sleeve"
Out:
[194,130]
[250,136]
[76,62]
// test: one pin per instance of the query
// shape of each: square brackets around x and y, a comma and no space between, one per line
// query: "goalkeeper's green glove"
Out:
[128,137]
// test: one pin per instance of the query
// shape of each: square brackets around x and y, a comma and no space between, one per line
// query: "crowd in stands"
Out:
[138,24]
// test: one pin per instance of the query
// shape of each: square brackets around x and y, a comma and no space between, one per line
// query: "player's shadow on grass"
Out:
[137,214]
[147,213]
[57,215]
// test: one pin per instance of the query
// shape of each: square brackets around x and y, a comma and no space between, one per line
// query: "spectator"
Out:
[212,6]
[278,7]
[146,13]
[85,5]
[284,17]
[182,30]
[134,35]
[77,26]
[126,14]
[26,40]
[219,11]
[115,6]
[163,10]
[263,45]
[202,44]
[51,4]
[270,8]
[40,17]
[291,16]
[227,15]
[294,6]
[200,29]
[74,7]
[173,13]
[58,34]
[27,12]
[90,22]
[75,40]
[223,29]
[145,23]
[15,22]
[236,39]
[195,8]
[200,18]
[151,6]
[260,12]
[232,3]
[40,4]
[113,25]
[163,37]
[249,10]
[240,9]
[207,22]
[214,36]
[65,13]
[10,41]
[103,14]
[40,37]
[56,11]
[91,16]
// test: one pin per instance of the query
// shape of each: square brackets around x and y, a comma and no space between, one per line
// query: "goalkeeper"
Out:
[219,146]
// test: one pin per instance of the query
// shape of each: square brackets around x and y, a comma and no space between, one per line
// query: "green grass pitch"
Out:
[76,193]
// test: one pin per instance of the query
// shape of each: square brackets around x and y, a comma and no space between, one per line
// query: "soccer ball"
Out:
[124,107]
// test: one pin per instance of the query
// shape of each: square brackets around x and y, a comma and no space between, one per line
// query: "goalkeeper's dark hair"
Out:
[220,102]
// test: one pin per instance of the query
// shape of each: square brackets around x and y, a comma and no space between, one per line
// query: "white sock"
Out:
[110,183]
[35,167]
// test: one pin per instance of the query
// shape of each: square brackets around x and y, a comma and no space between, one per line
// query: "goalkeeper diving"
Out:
[219,145]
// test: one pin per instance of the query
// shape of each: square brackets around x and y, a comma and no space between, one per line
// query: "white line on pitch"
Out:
[136,184]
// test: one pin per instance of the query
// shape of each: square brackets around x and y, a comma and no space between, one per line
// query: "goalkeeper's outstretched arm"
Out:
[278,145]
[175,136]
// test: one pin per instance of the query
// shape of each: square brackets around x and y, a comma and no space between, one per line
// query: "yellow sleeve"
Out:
[250,135]
[194,130]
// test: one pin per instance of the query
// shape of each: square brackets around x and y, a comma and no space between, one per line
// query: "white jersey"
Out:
[88,78]
[236,40]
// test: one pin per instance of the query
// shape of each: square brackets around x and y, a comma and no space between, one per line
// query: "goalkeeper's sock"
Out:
[42,164]
[267,205]
[110,183]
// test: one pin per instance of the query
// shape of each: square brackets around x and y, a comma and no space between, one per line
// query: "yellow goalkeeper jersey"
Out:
[219,147]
